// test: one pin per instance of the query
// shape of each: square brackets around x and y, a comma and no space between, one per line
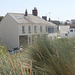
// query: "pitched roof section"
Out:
[30,19]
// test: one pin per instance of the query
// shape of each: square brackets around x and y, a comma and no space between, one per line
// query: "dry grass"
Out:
[53,57]
[15,64]
[49,57]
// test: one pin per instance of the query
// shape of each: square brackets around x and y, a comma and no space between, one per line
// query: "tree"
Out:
[1,17]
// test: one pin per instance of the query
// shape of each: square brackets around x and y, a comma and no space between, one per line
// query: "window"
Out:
[71,30]
[29,29]
[29,40]
[23,29]
[46,29]
[40,28]
[50,29]
[35,29]
[66,34]
[18,17]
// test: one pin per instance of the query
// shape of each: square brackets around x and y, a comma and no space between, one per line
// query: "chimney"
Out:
[44,17]
[49,20]
[34,12]
[26,13]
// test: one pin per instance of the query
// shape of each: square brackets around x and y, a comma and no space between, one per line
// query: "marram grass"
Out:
[13,64]
[52,57]
[49,57]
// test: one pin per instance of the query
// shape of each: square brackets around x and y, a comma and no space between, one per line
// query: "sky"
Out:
[55,9]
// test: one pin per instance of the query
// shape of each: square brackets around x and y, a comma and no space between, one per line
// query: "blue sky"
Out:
[59,9]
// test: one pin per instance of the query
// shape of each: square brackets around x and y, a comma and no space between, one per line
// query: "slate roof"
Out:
[29,19]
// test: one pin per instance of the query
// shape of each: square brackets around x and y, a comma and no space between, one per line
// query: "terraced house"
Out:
[21,28]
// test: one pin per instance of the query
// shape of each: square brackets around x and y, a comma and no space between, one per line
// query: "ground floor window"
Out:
[29,40]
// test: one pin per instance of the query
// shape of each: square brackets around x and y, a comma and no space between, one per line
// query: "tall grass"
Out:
[49,57]
[15,64]
[52,57]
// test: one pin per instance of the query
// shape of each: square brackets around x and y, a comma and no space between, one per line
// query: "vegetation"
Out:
[1,17]
[52,57]
[15,64]
[49,57]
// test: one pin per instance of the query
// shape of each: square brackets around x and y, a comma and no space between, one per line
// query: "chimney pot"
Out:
[49,19]
[34,12]
[26,13]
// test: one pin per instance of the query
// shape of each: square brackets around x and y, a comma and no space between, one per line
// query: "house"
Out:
[21,28]
[64,31]
[71,32]
[73,21]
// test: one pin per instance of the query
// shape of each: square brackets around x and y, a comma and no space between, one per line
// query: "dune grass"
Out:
[49,57]
[15,64]
[53,57]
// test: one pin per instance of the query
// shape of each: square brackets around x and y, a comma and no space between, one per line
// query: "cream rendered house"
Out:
[20,29]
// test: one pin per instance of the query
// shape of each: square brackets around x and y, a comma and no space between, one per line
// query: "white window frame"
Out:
[46,28]
[29,29]
[23,29]
[40,28]
[35,29]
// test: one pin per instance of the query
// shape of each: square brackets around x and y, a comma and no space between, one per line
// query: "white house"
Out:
[66,31]
[20,29]
[63,31]
[71,32]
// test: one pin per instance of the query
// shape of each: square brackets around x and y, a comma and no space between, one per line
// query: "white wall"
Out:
[9,32]
[63,30]
[32,30]
[71,33]
[52,36]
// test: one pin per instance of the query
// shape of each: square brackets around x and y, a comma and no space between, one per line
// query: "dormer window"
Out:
[18,17]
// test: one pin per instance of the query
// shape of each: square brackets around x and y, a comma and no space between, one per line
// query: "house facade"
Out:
[71,32]
[20,29]
[64,31]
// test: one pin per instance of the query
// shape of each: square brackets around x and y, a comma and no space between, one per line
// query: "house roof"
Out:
[29,19]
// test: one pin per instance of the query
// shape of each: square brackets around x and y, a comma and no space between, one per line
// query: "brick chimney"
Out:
[34,12]
[26,13]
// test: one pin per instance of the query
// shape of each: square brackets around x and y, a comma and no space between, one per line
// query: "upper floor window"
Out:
[29,29]
[35,29]
[50,29]
[23,29]
[46,29]
[40,28]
